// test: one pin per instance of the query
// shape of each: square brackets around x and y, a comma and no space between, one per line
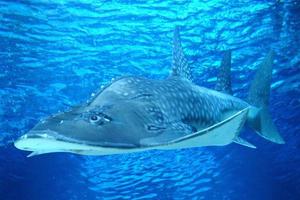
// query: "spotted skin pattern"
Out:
[175,100]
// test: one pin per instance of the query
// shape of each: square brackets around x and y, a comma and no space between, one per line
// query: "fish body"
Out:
[172,101]
[136,114]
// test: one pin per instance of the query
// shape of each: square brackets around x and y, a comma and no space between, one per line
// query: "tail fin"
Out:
[259,118]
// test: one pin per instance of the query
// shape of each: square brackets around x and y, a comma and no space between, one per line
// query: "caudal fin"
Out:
[259,118]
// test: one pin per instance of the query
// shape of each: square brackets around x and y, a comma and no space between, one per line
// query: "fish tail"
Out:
[259,117]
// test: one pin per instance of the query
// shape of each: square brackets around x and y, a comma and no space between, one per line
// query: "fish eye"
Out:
[99,118]
[94,118]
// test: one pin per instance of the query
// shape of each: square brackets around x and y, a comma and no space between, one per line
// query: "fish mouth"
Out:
[48,141]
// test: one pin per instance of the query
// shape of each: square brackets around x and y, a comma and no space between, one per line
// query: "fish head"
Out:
[86,129]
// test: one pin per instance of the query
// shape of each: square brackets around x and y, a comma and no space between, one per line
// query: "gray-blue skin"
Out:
[132,109]
[135,112]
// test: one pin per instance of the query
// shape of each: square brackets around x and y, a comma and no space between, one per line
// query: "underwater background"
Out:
[56,53]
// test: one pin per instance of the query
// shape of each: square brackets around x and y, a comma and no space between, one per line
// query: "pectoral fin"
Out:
[219,134]
[172,132]
[36,153]
[243,142]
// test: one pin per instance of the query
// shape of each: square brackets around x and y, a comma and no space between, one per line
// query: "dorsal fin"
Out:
[260,88]
[224,76]
[180,65]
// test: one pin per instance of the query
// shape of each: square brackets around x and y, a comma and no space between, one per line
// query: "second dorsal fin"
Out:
[180,65]
[224,76]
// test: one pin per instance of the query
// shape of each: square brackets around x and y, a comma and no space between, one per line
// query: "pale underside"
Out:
[220,134]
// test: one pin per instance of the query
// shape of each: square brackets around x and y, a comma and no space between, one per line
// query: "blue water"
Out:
[54,54]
